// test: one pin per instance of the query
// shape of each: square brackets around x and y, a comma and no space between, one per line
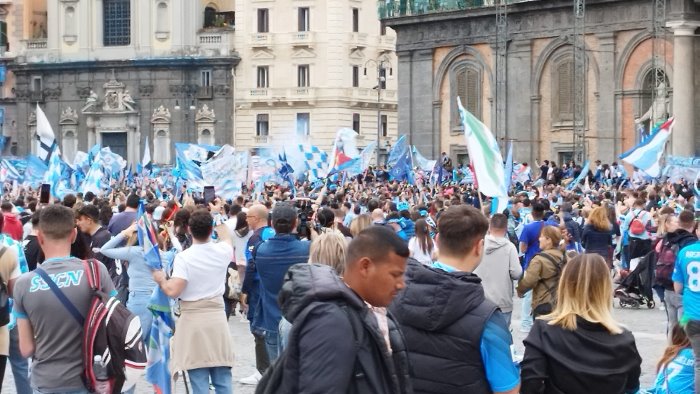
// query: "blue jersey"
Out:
[678,376]
[687,273]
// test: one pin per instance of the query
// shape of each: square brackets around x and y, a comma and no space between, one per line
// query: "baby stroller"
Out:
[636,290]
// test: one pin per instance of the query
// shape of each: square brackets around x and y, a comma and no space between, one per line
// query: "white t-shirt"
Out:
[418,254]
[203,266]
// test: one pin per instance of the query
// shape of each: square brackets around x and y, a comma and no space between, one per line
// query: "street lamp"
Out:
[382,64]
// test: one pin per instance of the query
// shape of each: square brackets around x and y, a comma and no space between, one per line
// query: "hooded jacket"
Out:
[586,360]
[327,359]
[443,316]
[542,277]
[498,269]
[12,226]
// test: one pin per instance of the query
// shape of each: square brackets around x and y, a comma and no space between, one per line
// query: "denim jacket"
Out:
[272,260]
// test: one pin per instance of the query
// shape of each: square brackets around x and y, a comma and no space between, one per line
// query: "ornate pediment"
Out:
[205,115]
[263,54]
[302,53]
[357,54]
[161,115]
[69,116]
[117,97]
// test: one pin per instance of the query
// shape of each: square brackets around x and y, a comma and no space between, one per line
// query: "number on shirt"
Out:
[693,272]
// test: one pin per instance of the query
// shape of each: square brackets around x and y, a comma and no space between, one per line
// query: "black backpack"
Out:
[273,381]
[4,297]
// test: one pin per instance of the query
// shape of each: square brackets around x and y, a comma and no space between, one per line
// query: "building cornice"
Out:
[228,61]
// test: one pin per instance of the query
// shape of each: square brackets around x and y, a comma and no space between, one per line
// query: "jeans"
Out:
[526,312]
[674,309]
[262,361]
[220,379]
[19,365]
[138,305]
[693,331]
[272,345]
[508,316]
[285,328]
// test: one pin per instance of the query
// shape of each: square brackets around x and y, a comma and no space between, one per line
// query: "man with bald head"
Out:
[257,219]
[378,216]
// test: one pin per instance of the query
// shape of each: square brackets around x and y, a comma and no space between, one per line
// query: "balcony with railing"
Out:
[261,40]
[36,44]
[302,38]
[397,8]
[358,40]
[387,43]
[216,41]
[261,139]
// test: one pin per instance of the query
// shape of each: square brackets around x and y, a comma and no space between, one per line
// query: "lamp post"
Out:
[381,64]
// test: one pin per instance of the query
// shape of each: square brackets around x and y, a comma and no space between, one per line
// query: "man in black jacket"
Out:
[458,341]
[326,314]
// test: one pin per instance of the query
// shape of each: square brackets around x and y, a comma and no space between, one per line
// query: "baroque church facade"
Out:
[448,53]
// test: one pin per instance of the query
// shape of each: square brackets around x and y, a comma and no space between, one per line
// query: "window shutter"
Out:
[472,95]
[565,84]
[460,91]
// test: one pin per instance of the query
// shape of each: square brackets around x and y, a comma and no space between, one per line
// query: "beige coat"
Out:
[202,338]
[540,276]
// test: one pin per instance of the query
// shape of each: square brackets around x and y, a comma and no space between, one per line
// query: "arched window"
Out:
[206,137]
[648,92]
[562,91]
[161,147]
[162,18]
[466,84]
[117,22]
[209,16]
[69,145]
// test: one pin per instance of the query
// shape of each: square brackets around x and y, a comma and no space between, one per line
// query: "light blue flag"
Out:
[509,166]
[227,173]
[188,161]
[397,151]
[580,177]
[34,172]
[361,163]
[8,172]
[400,162]
[94,180]
[421,162]
[646,155]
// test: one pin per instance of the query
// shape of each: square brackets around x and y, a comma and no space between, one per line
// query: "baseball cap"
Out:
[158,213]
[283,213]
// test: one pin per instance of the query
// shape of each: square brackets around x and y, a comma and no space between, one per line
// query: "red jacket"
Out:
[12,226]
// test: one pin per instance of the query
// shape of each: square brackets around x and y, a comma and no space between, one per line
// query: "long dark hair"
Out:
[679,341]
[423,236]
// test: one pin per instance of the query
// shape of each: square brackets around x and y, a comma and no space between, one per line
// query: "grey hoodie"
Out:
[498,269]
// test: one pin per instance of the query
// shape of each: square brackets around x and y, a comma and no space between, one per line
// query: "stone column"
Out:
[518,114]
[404,93]
[606,100]
[535,138]
[683,137]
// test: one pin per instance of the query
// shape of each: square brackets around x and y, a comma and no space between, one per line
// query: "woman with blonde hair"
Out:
[329,249]
[543,272]
[597,234]
[579,347]
[360,223]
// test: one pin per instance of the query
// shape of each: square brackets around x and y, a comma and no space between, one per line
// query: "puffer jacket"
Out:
[443,316]
[328,360]
[542,277]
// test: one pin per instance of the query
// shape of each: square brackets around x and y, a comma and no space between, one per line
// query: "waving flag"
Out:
[8,172]
[361,163]
[111,162]
[146,160]
[400,162]
[57,176]
[315,161]
[34,172]
[421,162]
[646,155]
[227,172]
[148,239]
[485,157]
[509,166]
[583,175]
[344,148]
[93,181]
[45,135]
[285,171]
[188,159]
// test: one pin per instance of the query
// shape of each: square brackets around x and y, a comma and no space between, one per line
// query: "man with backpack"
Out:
[667,252]
[343,340]
[49,330]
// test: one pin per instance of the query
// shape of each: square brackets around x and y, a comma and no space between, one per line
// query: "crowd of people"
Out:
[422,278]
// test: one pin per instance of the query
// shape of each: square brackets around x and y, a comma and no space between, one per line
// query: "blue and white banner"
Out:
[647,154]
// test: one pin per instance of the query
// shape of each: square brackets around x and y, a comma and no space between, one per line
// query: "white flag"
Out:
[46,138]
[146,154]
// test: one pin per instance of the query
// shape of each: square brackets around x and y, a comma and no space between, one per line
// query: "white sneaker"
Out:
[662,306]
[252,379]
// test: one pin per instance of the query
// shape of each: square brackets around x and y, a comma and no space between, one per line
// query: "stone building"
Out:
[448,52]
[118,71]
[310,67]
